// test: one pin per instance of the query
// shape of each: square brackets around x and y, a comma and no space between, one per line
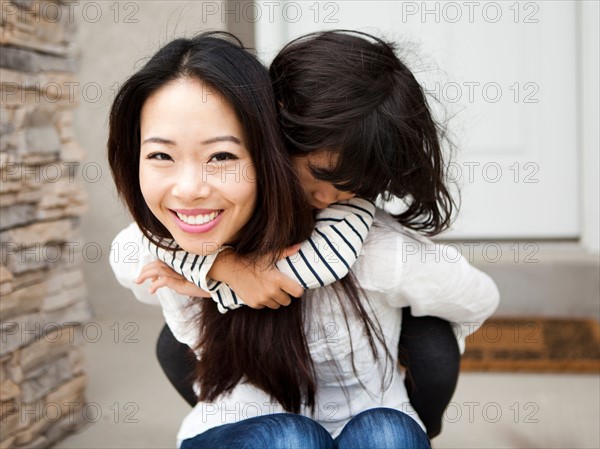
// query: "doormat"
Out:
[549,345]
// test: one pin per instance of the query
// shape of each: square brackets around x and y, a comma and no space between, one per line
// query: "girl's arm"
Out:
[334,245]
[324,258]
[128,257]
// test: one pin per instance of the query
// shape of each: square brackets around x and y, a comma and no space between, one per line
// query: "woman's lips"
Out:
[195,211]
[197,221]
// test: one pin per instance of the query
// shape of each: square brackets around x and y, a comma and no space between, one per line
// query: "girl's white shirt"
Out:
[396,268]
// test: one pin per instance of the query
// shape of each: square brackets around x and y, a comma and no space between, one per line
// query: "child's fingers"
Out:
[282,298]
[290,286]
[154,270]
[290,251]
[148,271]
[271,304]
[156,284]
[273,300]
[165,281]
[262,302]
[179,284]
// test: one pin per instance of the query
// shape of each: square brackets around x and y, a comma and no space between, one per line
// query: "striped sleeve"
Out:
[326,257]
[195,269]
[333,247]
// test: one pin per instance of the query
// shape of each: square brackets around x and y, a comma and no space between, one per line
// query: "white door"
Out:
[506,71]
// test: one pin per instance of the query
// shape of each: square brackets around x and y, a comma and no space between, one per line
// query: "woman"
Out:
[367,131]
[202,108]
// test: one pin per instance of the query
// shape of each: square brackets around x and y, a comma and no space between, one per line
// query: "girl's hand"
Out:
[164,276]
[259,284]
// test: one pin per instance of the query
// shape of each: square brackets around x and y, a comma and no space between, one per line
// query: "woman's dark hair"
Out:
[347,91]
[268,349]
[220,62]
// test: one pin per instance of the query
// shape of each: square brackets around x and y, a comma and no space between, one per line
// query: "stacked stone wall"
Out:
[43,302]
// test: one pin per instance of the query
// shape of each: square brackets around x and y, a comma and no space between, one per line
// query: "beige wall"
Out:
[113,45]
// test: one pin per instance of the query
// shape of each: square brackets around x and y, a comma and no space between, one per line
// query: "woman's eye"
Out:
[222,157]
[159,156]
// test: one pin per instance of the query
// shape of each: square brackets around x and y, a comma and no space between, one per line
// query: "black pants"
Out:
[427,348]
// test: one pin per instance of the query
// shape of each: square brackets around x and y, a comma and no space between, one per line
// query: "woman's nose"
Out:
[190,185]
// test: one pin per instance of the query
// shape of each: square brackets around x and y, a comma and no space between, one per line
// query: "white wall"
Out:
[589,95]
[115,45]
[516,160]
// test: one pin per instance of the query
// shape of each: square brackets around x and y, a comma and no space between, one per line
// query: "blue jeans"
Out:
[378,428]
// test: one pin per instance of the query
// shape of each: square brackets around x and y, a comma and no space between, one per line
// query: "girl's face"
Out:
[196,173]
[320,194]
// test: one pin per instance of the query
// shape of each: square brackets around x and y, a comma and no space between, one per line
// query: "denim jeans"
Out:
[378,428]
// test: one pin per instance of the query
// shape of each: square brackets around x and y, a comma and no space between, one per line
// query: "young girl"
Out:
[203,108]
[357,123]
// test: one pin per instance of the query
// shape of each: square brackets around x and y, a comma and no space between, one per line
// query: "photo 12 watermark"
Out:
[492,412]
[324,12]
[69,411]
[455,252]
[484,91]
[469,172]
[90,332]
[491,332]
[470,12]
[233,411]
[51,252]
[70,11]
[51,173]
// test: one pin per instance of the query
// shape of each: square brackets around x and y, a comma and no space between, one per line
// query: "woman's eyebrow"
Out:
[222,139]
[205,142]
[158,140]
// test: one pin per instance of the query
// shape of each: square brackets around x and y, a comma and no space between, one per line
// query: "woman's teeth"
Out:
[197,219]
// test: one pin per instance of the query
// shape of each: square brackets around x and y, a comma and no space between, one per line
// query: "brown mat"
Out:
[534,345]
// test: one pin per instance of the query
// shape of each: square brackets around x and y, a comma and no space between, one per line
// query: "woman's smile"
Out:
[197,220]
[192,158]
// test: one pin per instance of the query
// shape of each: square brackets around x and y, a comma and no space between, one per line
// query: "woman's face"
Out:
[320,194]
[196,173]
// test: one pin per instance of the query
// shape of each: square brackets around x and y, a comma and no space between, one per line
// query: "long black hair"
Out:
[348,92]
[268,348]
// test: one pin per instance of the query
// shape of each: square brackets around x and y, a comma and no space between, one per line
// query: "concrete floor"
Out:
[134,406]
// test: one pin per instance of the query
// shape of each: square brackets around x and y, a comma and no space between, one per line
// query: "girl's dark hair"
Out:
[347,91]
[268,349]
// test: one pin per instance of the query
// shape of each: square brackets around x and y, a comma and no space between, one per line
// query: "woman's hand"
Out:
[162,275]
[259,284]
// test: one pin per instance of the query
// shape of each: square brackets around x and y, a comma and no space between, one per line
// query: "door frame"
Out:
[587,93]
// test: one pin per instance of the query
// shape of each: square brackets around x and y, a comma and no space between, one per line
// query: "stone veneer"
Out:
[42,292]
